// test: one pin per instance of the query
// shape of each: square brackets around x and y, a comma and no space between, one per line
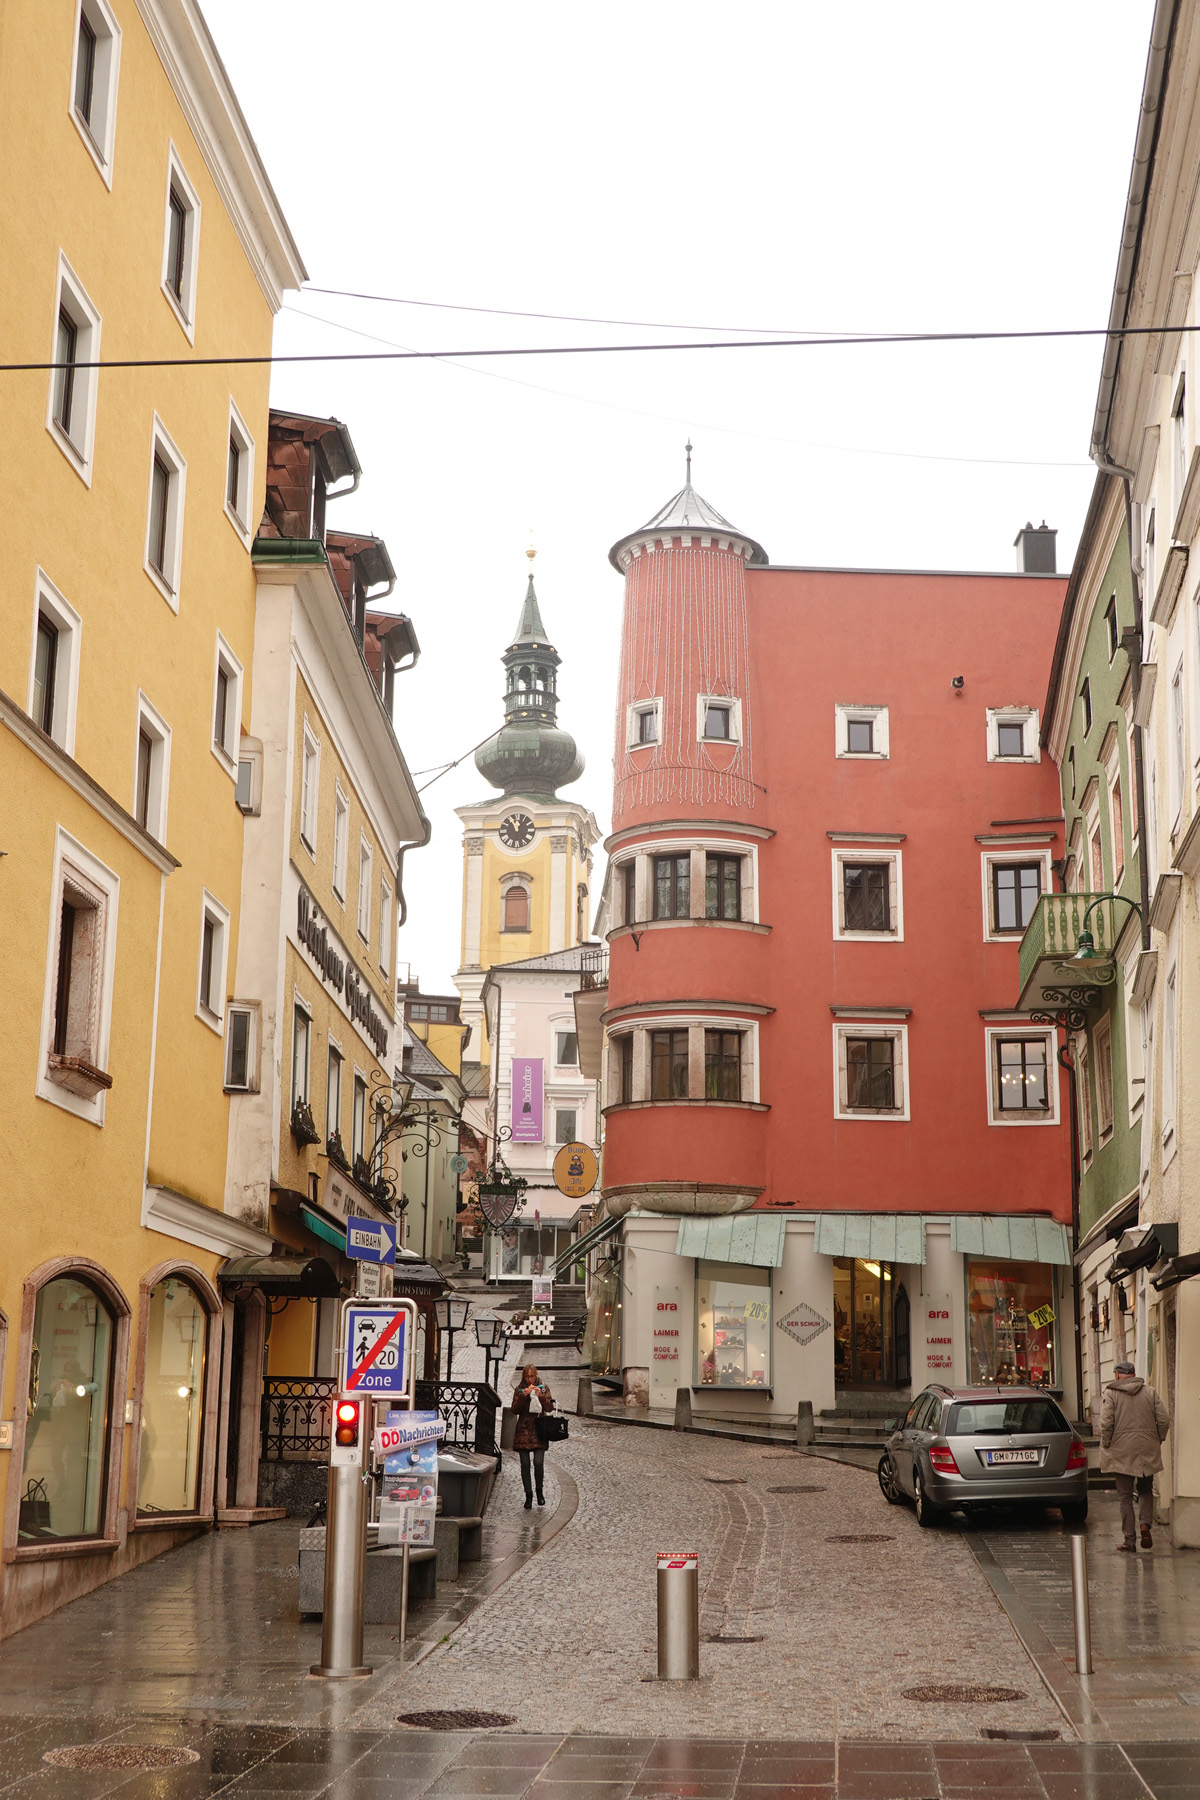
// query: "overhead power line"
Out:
[515,312]
[784,343]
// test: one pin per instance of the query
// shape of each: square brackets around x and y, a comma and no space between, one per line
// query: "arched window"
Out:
[523,680]
[516,909]
[64,1471]
[172,1400]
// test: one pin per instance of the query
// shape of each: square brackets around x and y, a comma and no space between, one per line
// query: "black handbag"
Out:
[552,1428]
[34,1513]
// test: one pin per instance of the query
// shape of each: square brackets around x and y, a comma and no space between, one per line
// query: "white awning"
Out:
[745,1238]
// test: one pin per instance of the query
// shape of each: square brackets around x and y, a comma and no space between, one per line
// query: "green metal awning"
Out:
[322,1228]
[879,1237]
[588,1241]
[1010,1239]
[745,1238]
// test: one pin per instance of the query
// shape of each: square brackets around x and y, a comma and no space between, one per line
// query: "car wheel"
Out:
[1074,1512]
[927,1515]
[889,1481]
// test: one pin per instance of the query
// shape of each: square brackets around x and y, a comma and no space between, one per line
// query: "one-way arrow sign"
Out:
[370,1240]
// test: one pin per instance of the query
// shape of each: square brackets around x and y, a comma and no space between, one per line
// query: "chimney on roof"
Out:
[1035,549]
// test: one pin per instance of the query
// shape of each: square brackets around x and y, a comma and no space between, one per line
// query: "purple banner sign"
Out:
[526,1099]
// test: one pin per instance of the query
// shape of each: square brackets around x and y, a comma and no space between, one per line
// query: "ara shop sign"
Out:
[804,1323]
[337,970]
[939,1340]
[527,1099]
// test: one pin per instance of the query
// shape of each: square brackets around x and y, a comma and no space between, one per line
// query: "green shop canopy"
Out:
[744,1238]
[595,1235]
[877,1237]
[322,1228]
[1010,1239]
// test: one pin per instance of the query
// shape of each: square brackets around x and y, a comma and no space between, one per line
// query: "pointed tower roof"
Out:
[686,511]
[531,754]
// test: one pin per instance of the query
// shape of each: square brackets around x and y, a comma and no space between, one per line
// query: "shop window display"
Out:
[733,1326]
[172,1401]
[863,1322]
[1012,1316]
[70,1378]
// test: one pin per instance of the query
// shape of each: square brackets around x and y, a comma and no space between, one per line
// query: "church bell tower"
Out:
[527,862]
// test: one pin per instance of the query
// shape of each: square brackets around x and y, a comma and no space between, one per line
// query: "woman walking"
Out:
[526,1440]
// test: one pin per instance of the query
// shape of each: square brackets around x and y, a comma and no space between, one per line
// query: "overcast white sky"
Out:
[783,166]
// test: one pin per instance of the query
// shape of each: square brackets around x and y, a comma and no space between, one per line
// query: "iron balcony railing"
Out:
[468,1409]
[1054,929]
[297,1417]
[593,966]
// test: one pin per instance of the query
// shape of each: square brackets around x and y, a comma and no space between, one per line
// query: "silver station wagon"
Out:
[967,1448]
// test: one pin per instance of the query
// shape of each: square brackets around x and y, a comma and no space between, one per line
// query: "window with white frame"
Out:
[364,890]
[1116,818]
[214,952]
[239,475]
[385,927]
[248,791]
[1096,853]
[1179,458]
[164,514]
[868,898]
[1013,883]
[75,343]
[1102,1045]
[643,724]
[565,1124]
[1012,734]
[1022,1083]
[1149,558]
[358,1122]
[301,1053]
[566,1049]
[181,243]
[1112,628]
[718,719]
[151,769]
[870,1070]
[1134,1035]
[80,964]
[341,840]
[54,664]
[1083,1100]
[241,1047]
[1178,748]
[333,1095]
[94,72]
[227,708]
[310,785]
[1170,1037]
[861,731]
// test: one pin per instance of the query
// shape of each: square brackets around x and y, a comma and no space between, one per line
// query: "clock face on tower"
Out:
[516,831]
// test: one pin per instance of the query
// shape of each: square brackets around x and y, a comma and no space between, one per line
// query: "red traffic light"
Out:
[346,1429]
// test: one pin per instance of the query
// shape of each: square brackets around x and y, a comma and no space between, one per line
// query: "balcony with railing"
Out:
[1046,960]
[591,998]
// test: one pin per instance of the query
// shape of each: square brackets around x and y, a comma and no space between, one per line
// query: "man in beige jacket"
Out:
[1133,1424]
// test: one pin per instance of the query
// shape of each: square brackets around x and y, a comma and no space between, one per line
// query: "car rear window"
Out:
[1010,1417]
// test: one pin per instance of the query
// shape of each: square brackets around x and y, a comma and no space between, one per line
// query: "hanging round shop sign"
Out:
[459,1164]
[575,1171]
[498,1200]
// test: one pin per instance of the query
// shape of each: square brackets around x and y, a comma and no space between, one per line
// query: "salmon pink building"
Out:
[836,1163]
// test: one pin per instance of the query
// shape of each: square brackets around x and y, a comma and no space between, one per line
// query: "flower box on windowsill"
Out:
[361,1173]
[335,1152]
[304,1128]
[78,1076]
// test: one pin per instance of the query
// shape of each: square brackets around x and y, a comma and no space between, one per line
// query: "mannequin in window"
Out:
[516,909]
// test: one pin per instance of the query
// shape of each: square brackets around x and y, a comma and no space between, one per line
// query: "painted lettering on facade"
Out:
[337,971]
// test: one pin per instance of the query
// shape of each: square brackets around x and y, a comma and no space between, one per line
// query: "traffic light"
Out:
[349,1419]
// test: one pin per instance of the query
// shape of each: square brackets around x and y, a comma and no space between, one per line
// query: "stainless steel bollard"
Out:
[1079,1598]
[678,1616]
[345,1573]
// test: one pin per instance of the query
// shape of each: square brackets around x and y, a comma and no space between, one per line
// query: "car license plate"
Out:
[1012,1456]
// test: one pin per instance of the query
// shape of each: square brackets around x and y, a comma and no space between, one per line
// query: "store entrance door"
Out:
[863,1326]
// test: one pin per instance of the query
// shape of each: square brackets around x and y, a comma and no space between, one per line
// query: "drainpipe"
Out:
[418,844]
[1136,658]
[1066,1062]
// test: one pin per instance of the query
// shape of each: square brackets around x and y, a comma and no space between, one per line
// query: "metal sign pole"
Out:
[405,1558]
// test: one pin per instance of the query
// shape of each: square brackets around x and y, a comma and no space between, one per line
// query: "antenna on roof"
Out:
[688,449]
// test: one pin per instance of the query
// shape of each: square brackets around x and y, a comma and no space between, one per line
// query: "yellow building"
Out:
[527,861]
[137,222]
[332,809]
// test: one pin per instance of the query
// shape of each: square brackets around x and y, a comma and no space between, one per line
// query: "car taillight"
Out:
[1077,1454]
[941,1458]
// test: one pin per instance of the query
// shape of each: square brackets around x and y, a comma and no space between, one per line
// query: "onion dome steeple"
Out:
[530,755]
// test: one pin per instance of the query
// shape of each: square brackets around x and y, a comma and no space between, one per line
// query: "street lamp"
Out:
[451,1315]
[490,1336]
[1087,951]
